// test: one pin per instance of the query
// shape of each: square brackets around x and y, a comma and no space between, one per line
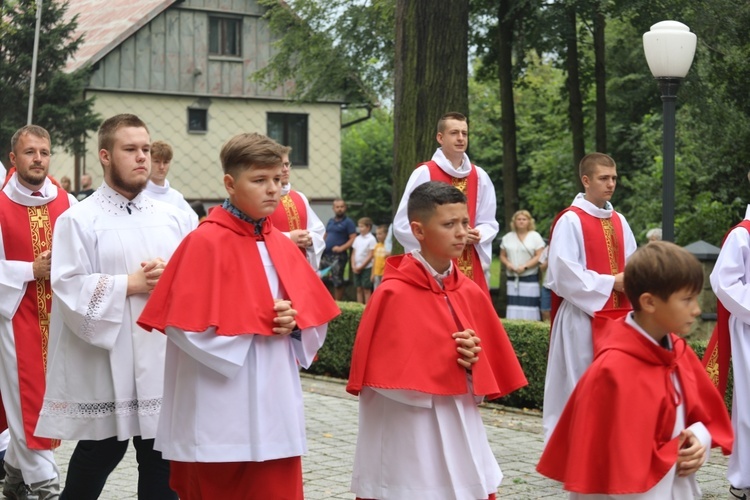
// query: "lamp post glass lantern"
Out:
[669,47]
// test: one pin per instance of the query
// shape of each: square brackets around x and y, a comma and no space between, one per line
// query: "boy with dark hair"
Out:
[362,254]
[641,420]
[232,420]
[419,370]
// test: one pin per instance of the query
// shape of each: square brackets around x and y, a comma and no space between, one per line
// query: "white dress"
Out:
[485,211]
[523,290]
[105,373]
[35,465]
[235,399]
[584,292]
[730,281]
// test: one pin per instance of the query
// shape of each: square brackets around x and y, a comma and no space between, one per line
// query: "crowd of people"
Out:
[123,318]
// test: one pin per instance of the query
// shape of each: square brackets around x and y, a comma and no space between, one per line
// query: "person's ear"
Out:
[104,157]
[647,302]
[417,230]
[439,138]
[229,183]
[585,181]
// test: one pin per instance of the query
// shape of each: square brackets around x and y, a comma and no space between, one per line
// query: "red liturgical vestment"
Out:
[26,233]
[290,214]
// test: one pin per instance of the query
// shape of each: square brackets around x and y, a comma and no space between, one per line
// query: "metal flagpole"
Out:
[33,60]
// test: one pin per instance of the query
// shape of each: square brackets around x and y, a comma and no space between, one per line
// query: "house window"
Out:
[197,120]
[224,36]
[290,130]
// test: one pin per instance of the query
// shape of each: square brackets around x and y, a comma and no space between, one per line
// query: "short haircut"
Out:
[244,151]
[426,197]
[591,161]
[34,130]
[527,214]
[339,198]
[110,126]
[654,233]
[160,150]
[382,227]
[286,150]
[453,115]
[365,221]
[661,268]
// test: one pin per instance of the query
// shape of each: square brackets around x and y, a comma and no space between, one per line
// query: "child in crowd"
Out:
[420,372]
[232,419]
[362,252]
[644,415]
[379,255]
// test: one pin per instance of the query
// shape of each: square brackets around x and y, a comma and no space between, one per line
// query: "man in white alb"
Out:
[158,186]
[105,374]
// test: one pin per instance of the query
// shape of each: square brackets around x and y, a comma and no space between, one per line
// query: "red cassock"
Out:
[216,278]
[404,337]
[615,434]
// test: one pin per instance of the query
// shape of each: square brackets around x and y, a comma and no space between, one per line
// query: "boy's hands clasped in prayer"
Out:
[285,323]
[468,348]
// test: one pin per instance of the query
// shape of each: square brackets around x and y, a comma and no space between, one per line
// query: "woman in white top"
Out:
[520,250]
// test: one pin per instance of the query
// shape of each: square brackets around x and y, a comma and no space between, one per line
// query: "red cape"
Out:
[615,434]
[216,278]
[404,337]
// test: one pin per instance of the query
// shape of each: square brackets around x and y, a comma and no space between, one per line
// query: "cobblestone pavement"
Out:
[515,436]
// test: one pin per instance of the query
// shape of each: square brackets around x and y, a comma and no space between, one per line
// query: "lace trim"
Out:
[93,311]
[140,407]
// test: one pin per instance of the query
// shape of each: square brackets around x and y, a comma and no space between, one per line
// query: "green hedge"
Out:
[530,339]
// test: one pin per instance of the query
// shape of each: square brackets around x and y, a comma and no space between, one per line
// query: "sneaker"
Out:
[19,492]
[739,493]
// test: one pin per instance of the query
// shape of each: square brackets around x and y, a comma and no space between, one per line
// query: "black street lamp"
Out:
[669,48]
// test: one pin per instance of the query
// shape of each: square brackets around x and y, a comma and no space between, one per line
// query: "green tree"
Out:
[58,102]
[332,50]
[366,161]
[431,77]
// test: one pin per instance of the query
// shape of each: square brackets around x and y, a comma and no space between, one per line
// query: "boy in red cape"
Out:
[232,419]
[642,419]
[420,372]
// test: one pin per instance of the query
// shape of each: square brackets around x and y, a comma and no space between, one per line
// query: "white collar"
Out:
[439,277]
[155,188]
[446,166]
[600,213]
[630,320]
[285,190]
[20,194]
[121,204]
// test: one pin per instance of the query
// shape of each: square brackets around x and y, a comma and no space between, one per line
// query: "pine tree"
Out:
[59,103]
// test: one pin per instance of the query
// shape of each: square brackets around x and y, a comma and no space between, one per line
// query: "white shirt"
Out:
[361,248]
[104,373]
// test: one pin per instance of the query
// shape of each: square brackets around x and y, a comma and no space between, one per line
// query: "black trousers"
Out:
[93,461]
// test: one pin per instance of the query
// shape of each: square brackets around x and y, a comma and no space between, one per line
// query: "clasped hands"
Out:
[467,346]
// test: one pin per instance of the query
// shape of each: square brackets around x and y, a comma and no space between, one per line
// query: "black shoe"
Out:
[739,493]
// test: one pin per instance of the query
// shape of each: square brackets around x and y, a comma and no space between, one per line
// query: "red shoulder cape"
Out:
[615,434]
[216,278]
[404,337]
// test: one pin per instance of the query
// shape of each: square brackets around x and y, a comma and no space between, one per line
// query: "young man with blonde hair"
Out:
[450,164]
[589,245]
[158,186]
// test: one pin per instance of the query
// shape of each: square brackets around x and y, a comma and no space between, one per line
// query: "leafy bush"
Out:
[530,340]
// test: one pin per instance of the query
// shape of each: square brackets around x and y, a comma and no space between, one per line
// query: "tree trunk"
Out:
[600,76]
[508,110]
[573,84]
[431,78]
